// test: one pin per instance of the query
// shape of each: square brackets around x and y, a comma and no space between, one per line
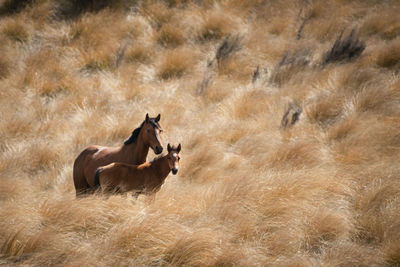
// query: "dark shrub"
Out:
[346,49]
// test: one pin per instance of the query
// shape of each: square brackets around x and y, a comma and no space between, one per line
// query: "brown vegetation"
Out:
[289,130]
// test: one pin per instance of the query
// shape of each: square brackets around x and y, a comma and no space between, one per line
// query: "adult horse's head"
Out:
[150,131]
[173,158]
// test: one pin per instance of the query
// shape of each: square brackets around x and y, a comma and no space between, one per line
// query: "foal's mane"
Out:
[135,133]
[157,158]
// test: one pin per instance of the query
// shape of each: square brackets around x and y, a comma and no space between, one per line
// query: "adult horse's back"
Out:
[133,151]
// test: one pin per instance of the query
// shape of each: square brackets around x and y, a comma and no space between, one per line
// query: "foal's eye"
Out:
[148,130]
[169,157]
[179,158]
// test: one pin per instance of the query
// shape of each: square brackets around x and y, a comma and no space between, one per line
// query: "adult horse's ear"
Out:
[147,117]
[178,148]
[158,118]
[169,148]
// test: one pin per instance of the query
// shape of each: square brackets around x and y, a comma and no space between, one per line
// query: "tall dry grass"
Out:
[256,186]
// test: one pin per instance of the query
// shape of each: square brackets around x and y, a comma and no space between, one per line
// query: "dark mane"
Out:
[134,136]
[135,133]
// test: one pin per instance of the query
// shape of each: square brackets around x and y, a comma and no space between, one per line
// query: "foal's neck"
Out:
[161,167]
[136,153]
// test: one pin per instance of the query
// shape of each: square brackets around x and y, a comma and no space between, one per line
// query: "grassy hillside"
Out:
[288,113]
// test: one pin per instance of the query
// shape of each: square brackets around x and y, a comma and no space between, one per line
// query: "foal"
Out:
[146,178]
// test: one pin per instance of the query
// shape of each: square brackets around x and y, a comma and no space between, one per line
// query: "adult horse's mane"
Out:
[135,133]
[134,136]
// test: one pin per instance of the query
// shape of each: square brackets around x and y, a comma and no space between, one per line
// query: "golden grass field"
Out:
[255,187]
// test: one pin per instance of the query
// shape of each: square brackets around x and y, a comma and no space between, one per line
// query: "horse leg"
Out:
[82,188]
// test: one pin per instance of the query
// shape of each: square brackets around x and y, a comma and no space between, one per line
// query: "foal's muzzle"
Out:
[174,171]
[158,149]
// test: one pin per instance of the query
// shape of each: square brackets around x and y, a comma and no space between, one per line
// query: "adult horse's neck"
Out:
[135,152]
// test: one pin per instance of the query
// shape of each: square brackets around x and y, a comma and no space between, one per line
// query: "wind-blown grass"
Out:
[285,161]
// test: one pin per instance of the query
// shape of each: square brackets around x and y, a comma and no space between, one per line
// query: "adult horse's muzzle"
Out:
[174,171]
[158,149]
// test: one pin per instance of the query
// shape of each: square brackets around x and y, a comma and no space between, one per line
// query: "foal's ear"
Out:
[158,118]
[178,148]
[169,148]
[147,117]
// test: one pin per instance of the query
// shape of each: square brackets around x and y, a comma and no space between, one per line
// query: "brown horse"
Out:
[133,151]
[146,178]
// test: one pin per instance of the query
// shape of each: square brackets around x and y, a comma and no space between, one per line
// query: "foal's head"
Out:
[151,133]
[173,158]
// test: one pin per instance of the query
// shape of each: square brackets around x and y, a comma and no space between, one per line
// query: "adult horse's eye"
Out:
[148,130]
